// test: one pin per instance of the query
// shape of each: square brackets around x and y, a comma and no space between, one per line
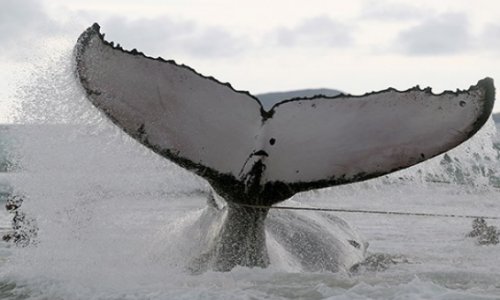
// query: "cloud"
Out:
[25,23]
[151,35]
[215,42]
[440,35]
[490,38]
[319,31]
[22,22]
[166,37]
[392,11]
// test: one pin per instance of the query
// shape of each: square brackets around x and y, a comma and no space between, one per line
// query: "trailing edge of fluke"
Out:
[253,156]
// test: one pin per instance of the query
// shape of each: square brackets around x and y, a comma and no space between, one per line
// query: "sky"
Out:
[355,46]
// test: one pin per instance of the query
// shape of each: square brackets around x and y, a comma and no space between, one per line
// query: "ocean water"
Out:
[112,218]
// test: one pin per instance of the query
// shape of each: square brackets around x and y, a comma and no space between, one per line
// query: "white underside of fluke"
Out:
[302,143]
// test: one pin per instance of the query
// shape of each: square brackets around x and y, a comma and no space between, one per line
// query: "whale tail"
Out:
[255,156]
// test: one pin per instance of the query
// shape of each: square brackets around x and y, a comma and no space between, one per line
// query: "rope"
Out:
[361,211]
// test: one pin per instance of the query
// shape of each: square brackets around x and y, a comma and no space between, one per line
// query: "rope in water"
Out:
[361,211]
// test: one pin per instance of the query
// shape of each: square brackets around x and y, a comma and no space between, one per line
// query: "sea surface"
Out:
[111,218]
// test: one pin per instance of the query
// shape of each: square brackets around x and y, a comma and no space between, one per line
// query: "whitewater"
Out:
[116,221]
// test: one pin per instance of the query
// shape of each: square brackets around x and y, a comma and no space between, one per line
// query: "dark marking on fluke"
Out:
[354,244]
[261,153]
[141,131]
[272,141]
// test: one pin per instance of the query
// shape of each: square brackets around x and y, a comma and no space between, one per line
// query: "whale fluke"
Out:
[255,156]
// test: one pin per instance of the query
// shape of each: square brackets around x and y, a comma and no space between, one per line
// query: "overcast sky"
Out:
[356,46]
